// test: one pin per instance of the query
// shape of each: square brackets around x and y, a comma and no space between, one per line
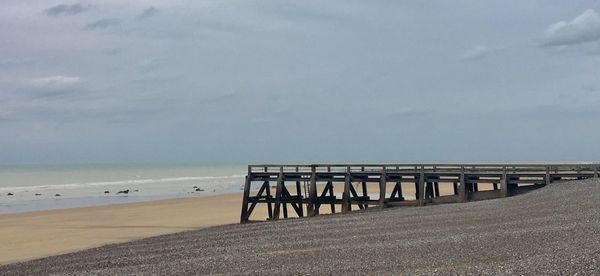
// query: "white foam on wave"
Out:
[119,182]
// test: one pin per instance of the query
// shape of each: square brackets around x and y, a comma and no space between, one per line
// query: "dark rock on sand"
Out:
[549,231]
[10,194]
[199,190]
[123,192]
[57,195]
[38,194]
[106,192]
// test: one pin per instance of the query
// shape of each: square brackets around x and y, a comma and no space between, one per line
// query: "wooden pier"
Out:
[304,190]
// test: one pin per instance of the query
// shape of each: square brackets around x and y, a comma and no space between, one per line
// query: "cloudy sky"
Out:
[250,81]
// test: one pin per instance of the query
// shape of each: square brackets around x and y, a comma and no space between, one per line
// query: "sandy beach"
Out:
[25,236]
[32,235]
[553,230]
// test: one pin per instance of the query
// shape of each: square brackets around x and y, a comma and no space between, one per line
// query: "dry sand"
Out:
[25,236]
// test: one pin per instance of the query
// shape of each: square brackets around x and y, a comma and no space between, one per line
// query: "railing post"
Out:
[462,188]
[244,216]
[504,183]
[382,188]
[312,193]
[596,169]
[346,195]
[278,193]
[548,179]
[421,187]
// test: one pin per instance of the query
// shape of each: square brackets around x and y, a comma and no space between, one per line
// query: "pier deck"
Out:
[303,190]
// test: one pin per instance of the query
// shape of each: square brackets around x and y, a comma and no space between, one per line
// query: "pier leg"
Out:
[421,188]
[436,189]
[364,192]
[504,184]
[267,189]
[548,180]
[455,187]
[417,188]
[346,195]
[462,189]
[244,215]
[398,189]
[354,195]
[382,192]
[312,194]
[278,193]
[429,190]
[299,194]
[596,169]
[331,194]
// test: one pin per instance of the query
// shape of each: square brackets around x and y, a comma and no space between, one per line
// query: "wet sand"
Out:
[25,236]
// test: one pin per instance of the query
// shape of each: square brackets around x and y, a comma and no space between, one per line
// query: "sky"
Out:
[305,81]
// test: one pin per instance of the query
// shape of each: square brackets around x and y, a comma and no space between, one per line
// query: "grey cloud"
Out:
[65,9]
[114,51]
[582,29]
[11,62]
[476,52]
[103,23]
[147,13]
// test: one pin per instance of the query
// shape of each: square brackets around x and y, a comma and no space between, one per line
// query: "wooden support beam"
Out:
[596,169]
[278,193]
[548,179]
[264,187]
[455,187]
[331,195]
[346,195]
[364,188]
[267,188]
[312,193]
[462,188]
[428,190]
[421,187]
[299,194]
[382,187]
[354,195]
[504,184]
[244,215]
[436,189]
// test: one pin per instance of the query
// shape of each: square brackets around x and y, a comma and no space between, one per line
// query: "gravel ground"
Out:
[553,230]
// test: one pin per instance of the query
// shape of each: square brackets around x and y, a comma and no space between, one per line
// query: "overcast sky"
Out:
[252,81]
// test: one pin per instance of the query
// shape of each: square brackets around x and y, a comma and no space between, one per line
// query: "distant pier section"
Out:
[283,191]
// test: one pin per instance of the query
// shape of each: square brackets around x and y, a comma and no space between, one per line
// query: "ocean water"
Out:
[66,186]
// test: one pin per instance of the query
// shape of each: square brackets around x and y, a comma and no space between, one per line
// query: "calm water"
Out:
[36,187]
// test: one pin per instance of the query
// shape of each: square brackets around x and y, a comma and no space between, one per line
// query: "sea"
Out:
[26,188]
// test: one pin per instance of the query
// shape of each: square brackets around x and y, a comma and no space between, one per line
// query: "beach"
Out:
[31,235]
[552,230]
